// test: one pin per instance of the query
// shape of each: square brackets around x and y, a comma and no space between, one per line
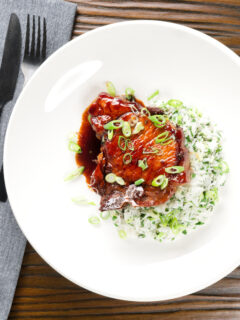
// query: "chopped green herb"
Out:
[94,220]
[110,88]
[139,181]
[143,164]
[74,174]
[129,93]
[153,95]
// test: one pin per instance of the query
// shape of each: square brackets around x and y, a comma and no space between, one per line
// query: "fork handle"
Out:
[3,192]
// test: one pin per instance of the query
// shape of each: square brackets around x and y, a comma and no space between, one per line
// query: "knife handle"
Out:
[3,192]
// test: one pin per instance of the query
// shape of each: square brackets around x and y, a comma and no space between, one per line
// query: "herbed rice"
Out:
[192,204]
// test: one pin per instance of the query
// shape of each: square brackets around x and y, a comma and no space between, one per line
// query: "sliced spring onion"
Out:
[154,94]
[130,145]
[158,120]
[120,181]
[74,147]
[127,158]
[94,220]
[104,215]
[74,174]
[145,112]
[129,93]
[110,134]
[150,151]
[133,120]
[158,181]
[143,164]
[83,201]
[115,124]
[138,182]
[164,138]
[122,234]
[175,103]
[165,183]
[139,127]
[126,129]
[212,194]
[174,169]
[110,177]
[223,167]
[134,109]
[89,119]
[122,143]
[110,88]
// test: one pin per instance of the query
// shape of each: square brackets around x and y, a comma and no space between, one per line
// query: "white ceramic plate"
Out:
[145,55]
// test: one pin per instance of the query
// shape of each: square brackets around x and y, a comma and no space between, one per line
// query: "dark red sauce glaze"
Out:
[90,147]
[100,158]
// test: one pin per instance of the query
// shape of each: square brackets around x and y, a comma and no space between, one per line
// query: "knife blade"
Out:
[9,72]
[11,60]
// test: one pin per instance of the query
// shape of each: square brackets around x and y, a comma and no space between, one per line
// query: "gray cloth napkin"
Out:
[59,17]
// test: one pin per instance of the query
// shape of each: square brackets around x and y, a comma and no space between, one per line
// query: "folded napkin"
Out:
[59,17]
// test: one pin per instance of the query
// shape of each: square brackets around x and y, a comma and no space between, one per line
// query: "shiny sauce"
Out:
[90,147]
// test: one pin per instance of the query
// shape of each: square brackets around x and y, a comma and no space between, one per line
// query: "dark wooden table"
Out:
[41,292]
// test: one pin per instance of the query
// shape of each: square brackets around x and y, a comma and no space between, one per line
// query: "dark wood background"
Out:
[41,292]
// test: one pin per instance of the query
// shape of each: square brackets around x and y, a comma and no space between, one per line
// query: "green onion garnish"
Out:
[127,158]
[115,124]
[175,103]
[163,138]
[74,147]
[83,201]
[133,120]
[130,145]
[212,194]
[110,134]
[143,164]
[158,120]
[165,183]
[94,220]
[223,167]
[138,182]
[122,143]
[145,112]
[174,169]
[150,151]
[89,119]
[110,177]
[160,181]
[104,215]
[139,126]
[134,109]
[129,93]
[122,234]
[126,129]
[120,181]
[74,174]
[153,95]
[110,88]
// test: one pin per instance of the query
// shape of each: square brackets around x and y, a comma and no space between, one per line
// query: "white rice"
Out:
[192,204]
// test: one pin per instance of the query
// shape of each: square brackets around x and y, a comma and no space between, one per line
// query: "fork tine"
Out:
[44,40]
[26,51]
[32,53]
[38,39]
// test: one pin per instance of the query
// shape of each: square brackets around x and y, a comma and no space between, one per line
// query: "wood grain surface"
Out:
[41,292]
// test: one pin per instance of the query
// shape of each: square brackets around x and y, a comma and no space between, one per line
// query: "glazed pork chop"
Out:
[142,159]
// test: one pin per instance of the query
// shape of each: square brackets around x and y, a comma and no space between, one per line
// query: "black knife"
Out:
[9,72]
